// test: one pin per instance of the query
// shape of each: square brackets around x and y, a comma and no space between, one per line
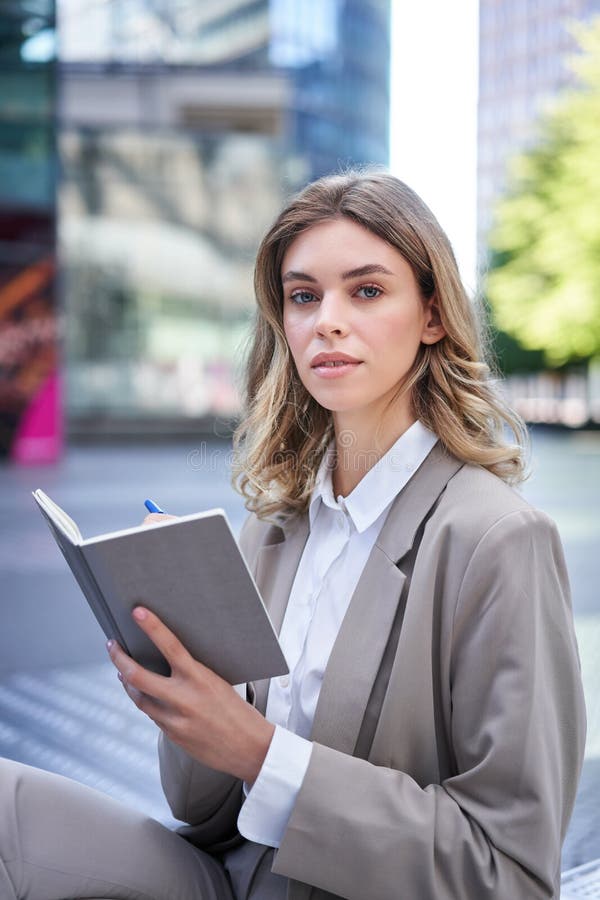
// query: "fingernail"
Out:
[119,676]
[139,613]
[109,645]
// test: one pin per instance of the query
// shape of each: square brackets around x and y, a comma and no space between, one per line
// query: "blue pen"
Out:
[152,507]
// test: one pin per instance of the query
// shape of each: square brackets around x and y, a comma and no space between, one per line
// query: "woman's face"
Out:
[353,316]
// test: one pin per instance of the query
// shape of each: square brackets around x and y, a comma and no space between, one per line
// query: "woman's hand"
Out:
[157,518]
[195,707]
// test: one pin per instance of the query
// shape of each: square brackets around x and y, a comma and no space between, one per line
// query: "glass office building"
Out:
[337,56]
[524,47]
[182,127]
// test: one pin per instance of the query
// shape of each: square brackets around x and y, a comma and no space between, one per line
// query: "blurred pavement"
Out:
[61,706]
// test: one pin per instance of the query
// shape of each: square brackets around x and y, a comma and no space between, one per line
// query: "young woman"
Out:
[428,741]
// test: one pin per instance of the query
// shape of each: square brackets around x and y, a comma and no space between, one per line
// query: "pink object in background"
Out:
[39,435]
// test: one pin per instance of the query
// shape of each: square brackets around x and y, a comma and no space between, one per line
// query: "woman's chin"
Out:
[337,404]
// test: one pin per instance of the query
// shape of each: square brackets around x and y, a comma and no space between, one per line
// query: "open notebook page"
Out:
[59,516]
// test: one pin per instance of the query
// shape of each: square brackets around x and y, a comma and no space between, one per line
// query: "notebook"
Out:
[191,573]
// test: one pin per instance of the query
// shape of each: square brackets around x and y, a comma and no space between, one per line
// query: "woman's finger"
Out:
[157,518]
[131,692]
[153,708]
[169,645]
[137,676]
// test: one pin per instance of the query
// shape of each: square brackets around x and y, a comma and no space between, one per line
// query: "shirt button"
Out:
[284,680]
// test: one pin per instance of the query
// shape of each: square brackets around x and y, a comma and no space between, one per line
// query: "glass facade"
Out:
[181,127]
[29,401]
[337,53]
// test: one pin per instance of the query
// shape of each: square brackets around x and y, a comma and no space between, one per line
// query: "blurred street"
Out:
[61,706]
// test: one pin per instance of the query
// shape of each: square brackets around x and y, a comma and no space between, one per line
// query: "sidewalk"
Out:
[582,882]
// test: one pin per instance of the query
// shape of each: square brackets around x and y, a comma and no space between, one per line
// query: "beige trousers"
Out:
[60,840]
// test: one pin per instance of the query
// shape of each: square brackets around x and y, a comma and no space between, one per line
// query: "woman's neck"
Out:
[360,443]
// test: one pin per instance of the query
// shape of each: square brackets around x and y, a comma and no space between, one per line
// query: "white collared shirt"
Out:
[342,534]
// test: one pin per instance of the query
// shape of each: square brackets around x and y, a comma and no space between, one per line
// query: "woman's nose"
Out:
[331,316]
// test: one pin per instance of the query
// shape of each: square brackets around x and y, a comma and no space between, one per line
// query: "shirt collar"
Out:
[376,490]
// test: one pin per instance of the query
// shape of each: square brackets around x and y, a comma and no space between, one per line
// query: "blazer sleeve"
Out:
[495,828]
[207,799]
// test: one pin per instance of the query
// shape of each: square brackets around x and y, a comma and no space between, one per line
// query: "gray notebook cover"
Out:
[191,573]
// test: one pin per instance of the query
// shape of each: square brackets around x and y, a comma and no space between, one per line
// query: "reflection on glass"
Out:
[211,32]
[157,238]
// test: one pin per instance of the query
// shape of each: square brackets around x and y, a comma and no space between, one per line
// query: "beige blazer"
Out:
[450,728]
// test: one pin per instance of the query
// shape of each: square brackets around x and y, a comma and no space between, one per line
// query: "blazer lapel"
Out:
[357,653]
[361,641]
[275,569]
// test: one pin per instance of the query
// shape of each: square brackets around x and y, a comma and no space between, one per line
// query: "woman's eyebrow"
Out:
[369,269]
[297,276]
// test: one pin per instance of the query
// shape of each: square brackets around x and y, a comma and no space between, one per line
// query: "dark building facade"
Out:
[29,384]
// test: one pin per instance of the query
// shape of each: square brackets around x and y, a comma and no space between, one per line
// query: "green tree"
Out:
[544,279]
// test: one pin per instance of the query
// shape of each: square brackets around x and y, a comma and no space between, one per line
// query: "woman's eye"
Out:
[302,297]
[369,291]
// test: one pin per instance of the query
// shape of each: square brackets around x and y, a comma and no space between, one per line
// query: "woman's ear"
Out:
[433,330]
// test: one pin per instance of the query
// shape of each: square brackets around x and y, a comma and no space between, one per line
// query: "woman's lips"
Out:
[334,370]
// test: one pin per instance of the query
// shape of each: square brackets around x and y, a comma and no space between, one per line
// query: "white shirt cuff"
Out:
[269,802]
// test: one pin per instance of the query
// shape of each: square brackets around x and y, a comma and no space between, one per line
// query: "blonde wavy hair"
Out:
[284,432]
